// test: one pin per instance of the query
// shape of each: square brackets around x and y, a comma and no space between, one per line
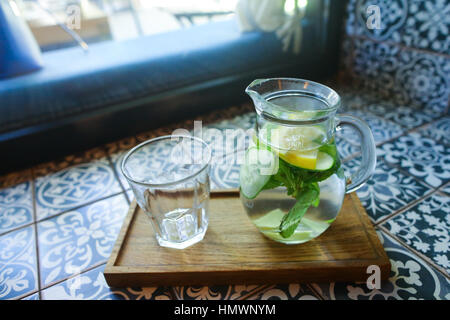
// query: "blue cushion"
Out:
[73,82]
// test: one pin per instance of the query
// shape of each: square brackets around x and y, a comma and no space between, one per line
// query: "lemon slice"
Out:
[306,160]
[312,160]
[298,146]
[285,139]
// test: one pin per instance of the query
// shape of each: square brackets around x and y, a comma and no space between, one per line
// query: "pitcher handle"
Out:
[368,151]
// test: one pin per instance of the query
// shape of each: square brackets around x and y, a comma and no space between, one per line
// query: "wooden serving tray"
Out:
[235,252]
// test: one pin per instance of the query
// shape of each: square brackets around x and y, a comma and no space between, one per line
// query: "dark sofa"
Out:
[81,99]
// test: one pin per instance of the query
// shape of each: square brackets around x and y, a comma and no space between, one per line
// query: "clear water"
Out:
[268,208]
[271,205]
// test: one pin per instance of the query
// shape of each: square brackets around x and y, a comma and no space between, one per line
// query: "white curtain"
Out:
[270,16]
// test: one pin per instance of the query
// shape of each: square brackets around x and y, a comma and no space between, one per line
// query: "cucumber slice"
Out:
[324,161]
[256,171]
[297,236]
[270,221]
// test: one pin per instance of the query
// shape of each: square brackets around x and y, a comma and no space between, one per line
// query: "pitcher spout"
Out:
[254,90]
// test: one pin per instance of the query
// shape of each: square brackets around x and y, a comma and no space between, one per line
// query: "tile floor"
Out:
[59,220]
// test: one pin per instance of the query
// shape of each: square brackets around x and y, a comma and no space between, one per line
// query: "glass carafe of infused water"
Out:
[292,184]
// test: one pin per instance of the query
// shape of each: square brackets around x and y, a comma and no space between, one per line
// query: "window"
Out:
[100,20]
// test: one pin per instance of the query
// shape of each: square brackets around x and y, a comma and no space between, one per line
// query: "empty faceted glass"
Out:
[169,177]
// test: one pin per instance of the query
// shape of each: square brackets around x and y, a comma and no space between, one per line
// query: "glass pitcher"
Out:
[292,184]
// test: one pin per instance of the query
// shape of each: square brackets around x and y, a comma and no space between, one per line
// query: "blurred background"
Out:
[75,74]
[118,19]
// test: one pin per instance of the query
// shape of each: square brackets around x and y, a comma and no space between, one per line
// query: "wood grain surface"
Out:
[235,252]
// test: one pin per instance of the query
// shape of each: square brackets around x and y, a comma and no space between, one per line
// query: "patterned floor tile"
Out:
[16,207]
[403,115]
[34,296]
[410,279]
[420,156]
[350,17]
[18,271]
[382,130]
[438,130]
[446,189]
[408,77]
[291,291]
[226,139]
[76,240]
[243,121]
[387,191]
[225,171]
[74,186]
[426,26]
[354,100]
[233,139]
[116,160]
[345,148]
[116,151]
[426,228]
[91,285]
[393,17]
[374,66]
[232,292]
[206,119]
[422,79]
[130,195]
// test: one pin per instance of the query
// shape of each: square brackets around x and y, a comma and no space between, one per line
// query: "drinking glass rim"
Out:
[154,185]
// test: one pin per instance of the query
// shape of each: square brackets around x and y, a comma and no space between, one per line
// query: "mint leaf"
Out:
[305,199]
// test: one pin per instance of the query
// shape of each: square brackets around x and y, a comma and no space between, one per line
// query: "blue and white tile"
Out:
[439,130]
[403,115]
[407,77]
[16,208]
[345,148]
[422,80]
[388,190]
[227,140]
[391,16]
[78,239]
[291,291]
[243,121]
[420,156]
[427,25]
[34,296]
[74,186]
[116,160]
[352,99]
[130,195]
[426,228]
[91,285]
[374,67]
[116,151]
[382,129]
[231,292]
[18,271]
[225,171]
[446,189]
[350,16]
[411,278]
[230,135]
[345,63]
